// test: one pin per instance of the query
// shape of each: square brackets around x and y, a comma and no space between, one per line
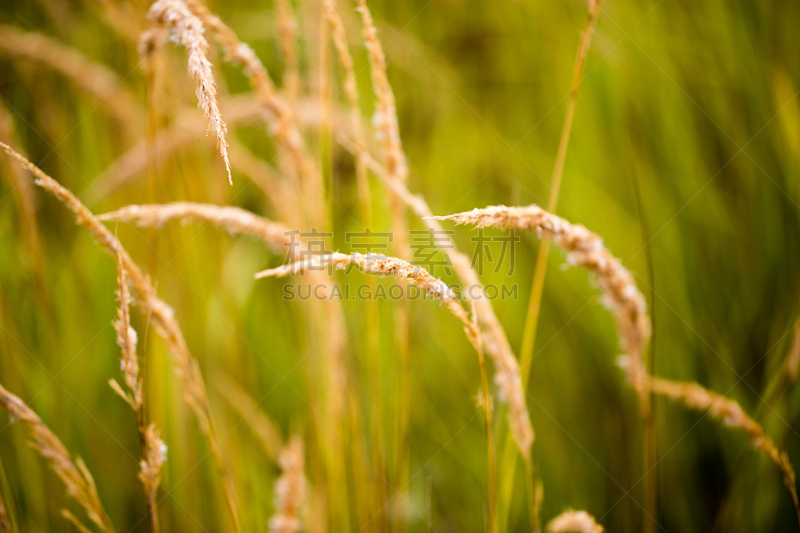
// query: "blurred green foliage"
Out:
[699,100]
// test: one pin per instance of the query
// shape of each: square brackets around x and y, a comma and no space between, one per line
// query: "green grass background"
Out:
[700,100]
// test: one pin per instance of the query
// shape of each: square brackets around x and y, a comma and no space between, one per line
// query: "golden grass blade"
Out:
[176,16]
[71,518]
[74,474]
[290,489]
[151,305]
[388,133]
[260,424]
[537,286]
[575,521]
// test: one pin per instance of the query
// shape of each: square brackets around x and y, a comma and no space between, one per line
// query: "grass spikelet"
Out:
[233,219]
[153,448]
[286,23]
[176,16]
[385,118]
[575,521]
[351,91]
[385,266]
[150,470]
[585,249]
[127,340]
[74,474]
[730,413]
[290,489]
[284,124]
[150,304]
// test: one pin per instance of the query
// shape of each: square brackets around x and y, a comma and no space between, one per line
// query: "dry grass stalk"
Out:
[732,415]
[584,249]
[176,16]
[339,36]
[150,304]
[287,39]
[507,373]
[290,489]
[385,118]
[150,470]
[94,78]
[74,474]
[386,266]
[154,451]
[627,304]
[233,219]
[127,341]
[285,127]
[577,521]
[388,133]
[260,424]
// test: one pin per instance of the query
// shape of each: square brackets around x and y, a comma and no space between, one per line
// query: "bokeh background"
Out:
[696,101]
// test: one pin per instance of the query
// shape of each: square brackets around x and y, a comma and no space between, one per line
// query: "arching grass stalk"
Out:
[626,303]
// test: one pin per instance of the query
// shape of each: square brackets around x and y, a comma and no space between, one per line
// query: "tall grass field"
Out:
[418,266]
